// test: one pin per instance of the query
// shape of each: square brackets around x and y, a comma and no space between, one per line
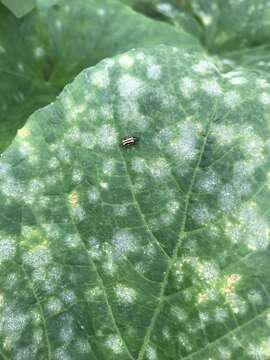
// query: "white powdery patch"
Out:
[72,240]
[100,78]
[211,87]
[231,99]
[39,256]
[139,165]
[182,142]
[227,198]
[201,214]
[106,136]
[130,86]
[129,113]
[153,71]
[204,67]
[262,83]
[220,315]
[68,296]
[115,344]
[125,294]
[77,176]
[208,182]
[93,195]
[95,250]
[166,9]
[54,305]
[7,249]
[264,99]
[151,353]
[126,61]
[12,322]
[238,81]
[39,52]
[250,228]
[208,271]
[224,134]
[88,140]
[108,166]
[124,242]
[159,168]
[188,86]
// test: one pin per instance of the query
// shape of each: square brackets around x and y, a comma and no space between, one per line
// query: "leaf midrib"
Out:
[176,249]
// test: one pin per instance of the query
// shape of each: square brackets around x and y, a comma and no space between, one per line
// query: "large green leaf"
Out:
[19,7]
[42,52]
[156,252]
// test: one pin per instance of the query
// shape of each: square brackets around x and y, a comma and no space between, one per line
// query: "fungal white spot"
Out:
[76,176]
[106,136]
[100,78]
[211,87]
[238,81]
[7,249]
[188,86]
[54,305]
[153,71]
[220,315]
[201,214]
[130,86]
[159,168]
[208,271]
[204,67]
[124,242]
[126,61]
[36,257]
[231,99]
[151,353]
[264,99]
[208,182]
[58,24]
[108,166]
[124,294]
[101,12]
[39,52]
[115,344]
[93,195]
[227,198]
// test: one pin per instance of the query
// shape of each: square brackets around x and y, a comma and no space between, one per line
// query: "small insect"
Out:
[129,141]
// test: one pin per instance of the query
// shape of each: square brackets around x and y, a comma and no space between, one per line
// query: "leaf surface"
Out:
[155,252]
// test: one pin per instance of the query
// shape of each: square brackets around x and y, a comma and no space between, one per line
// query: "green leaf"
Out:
[42,52]
[156,252]
[19,7]
[233,25]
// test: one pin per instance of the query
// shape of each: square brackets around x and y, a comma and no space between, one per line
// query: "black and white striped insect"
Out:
[129,141]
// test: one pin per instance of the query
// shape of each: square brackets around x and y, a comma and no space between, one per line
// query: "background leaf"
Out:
[158,252]
[55,44]
[19,7]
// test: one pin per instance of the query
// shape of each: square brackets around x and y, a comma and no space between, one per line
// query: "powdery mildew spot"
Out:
[130,86]
[265,99]
[124,242]
[126,61]
[125,295]
[211,87]
[153,71]
[231,99]
[7,249]
[106,136]
[54,305]
[188,86]
[204,67]
[151,353]
[115,344]
[93,195]
[201,214]
[100,78]
[36,257]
